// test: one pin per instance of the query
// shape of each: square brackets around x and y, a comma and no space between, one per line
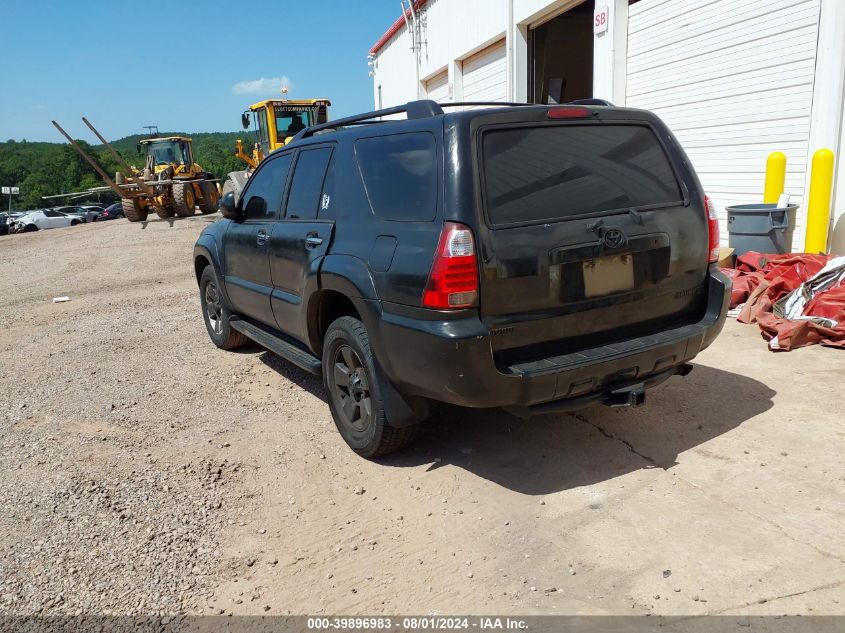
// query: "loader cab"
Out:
[291,123]
[263,130]
[169,151]
[278,120]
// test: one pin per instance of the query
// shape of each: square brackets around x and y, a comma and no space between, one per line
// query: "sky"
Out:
[183,66]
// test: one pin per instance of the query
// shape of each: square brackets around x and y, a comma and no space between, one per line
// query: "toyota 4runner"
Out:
[536,258]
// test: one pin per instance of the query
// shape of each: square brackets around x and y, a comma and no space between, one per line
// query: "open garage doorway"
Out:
[560,57]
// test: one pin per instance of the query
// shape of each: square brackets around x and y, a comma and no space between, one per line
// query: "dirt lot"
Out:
[143,471]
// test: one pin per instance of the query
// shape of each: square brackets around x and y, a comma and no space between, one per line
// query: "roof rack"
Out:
[420,109]
[485,103]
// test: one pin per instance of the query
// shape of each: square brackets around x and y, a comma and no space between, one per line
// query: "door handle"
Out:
[312,240]
[261,237]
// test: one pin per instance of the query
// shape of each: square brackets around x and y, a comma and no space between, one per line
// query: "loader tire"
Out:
[230,186]
[184,200]
[133,211]
[210,197]
[164,212]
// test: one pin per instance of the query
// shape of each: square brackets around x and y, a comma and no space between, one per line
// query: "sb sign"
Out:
[600,19]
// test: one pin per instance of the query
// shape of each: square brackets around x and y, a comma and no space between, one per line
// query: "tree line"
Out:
[44,169]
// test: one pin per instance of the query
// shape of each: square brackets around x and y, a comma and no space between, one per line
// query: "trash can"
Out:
[765,228]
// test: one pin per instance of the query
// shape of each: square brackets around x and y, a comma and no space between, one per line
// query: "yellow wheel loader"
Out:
[171,183]
[276,122]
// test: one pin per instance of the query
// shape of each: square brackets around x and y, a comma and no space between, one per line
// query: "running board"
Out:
[278,345]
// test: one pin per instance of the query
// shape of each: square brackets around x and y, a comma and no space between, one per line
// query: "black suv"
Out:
[536,258]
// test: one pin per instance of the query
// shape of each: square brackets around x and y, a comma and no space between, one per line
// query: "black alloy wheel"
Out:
[350,388]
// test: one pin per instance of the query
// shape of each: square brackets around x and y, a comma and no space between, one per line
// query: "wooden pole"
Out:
[111,183]
[148,190]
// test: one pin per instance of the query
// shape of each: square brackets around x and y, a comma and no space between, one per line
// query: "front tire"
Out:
[164,212]
[215,313]
[355,391]
[30,228]
[184,200]
[133,210]
[235,183]
[210,197]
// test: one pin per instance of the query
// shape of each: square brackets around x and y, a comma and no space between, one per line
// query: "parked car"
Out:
[95,209]
[82,213]
[536,258]
[44,219]
[111,212]
[4,224]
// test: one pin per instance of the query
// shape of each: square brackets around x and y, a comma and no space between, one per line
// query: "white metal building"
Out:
[734,79]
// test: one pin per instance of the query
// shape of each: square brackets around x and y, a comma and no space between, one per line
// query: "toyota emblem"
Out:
[614,238]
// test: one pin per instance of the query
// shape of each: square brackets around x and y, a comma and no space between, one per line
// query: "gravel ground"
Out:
[145,472]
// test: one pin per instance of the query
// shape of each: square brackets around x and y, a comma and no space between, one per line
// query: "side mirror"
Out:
[228,207]
[245,121]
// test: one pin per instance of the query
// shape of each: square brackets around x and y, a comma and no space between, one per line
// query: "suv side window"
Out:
[400,175]
[263,195]
[307,183]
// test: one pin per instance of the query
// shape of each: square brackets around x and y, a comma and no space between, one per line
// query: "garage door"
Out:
[485,74]
[437,88]
[734,81]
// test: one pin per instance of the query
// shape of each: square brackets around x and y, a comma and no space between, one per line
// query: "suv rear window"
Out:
[553,172]
[400,175]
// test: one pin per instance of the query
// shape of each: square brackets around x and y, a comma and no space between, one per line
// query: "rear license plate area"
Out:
[607,275]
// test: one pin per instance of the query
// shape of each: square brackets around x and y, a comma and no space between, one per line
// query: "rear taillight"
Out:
[713,229]
[453,281]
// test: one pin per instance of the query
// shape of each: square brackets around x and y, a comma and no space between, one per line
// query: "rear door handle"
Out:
[261,237]
[312,240]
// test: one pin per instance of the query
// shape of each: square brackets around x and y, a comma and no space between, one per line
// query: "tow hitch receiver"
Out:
[628,396]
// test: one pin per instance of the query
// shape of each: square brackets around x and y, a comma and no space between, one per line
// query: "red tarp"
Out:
[760,280]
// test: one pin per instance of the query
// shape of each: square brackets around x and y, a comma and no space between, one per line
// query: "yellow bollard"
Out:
[775,177]
[818,202]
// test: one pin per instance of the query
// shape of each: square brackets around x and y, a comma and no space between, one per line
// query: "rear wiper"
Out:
[595,227]
[635,215]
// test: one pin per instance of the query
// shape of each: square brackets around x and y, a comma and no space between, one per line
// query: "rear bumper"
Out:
[452,361]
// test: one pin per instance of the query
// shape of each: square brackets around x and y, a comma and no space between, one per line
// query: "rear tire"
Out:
[164,212]
[210,197]
[184,200]
[355,391]
[74,222]
[215,313]
[232,186]
[133,210]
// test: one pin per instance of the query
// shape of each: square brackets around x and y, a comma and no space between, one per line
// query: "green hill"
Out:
[43,169]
